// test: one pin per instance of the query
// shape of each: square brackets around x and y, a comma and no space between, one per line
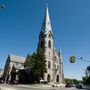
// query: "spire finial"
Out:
[46,24]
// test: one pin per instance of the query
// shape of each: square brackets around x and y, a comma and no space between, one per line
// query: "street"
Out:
[30,87]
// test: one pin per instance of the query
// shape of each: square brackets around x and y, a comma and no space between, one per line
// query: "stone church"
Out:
[53,59]
[54,63]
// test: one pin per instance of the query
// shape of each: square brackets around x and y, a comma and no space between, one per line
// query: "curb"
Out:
[6,88]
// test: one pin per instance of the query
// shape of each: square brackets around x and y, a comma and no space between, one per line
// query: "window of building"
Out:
[49,53]
[49,35]
[42,44]
[49,64]
[57,78]
[49,44]
[48,78]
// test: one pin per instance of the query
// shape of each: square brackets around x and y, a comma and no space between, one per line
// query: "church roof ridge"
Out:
[17,58]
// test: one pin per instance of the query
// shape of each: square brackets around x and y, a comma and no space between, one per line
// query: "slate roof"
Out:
[15,58]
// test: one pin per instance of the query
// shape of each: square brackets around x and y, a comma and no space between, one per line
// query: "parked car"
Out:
[68,85]
[79,85]
[73,85]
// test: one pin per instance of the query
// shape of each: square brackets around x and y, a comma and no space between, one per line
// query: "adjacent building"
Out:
[1,73]
[12,62]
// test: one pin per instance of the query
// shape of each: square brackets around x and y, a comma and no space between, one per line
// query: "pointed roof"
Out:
[46,23]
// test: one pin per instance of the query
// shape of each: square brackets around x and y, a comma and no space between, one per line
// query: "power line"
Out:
[72,59]
[83,59]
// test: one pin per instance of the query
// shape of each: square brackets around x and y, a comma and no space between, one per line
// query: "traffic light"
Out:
[72,59]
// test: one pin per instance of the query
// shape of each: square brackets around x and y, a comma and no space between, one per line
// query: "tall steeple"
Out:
[53,59]
[46,23]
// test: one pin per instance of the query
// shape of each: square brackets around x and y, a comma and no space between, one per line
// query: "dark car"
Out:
[68,85]
[79,86]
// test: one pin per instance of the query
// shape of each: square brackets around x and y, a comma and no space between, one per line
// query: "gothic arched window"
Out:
[49,44]
[48,78]
[42,44]
[57,78]
[49,64]
[49,35]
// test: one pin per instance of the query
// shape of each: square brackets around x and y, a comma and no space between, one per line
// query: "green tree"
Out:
[40,65]
[71,81]
[86,79]
[88,71]
[30,61]
[36,64]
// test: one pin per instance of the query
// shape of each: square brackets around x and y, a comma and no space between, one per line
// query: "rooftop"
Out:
[16,58]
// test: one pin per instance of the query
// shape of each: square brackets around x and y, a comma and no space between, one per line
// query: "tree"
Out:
[30,61]
[39,65]
[71,81]
[88,71]
[36,64]
[86,79]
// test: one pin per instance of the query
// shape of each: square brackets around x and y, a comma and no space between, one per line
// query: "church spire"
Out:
[46,23]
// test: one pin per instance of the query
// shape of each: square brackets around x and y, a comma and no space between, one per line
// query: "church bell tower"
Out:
[46,42]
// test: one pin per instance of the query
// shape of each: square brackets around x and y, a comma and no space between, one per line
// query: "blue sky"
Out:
[21,21]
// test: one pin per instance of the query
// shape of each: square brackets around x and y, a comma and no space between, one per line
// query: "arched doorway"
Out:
[48,78]
[57,78]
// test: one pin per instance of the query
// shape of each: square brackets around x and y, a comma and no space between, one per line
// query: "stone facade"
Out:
[1,73]
[53,59]
[13,61]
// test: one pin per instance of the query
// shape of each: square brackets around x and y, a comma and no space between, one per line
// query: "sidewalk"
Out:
[29,86]
[35,85]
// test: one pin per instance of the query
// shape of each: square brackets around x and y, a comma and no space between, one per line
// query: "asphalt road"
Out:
[15,87]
